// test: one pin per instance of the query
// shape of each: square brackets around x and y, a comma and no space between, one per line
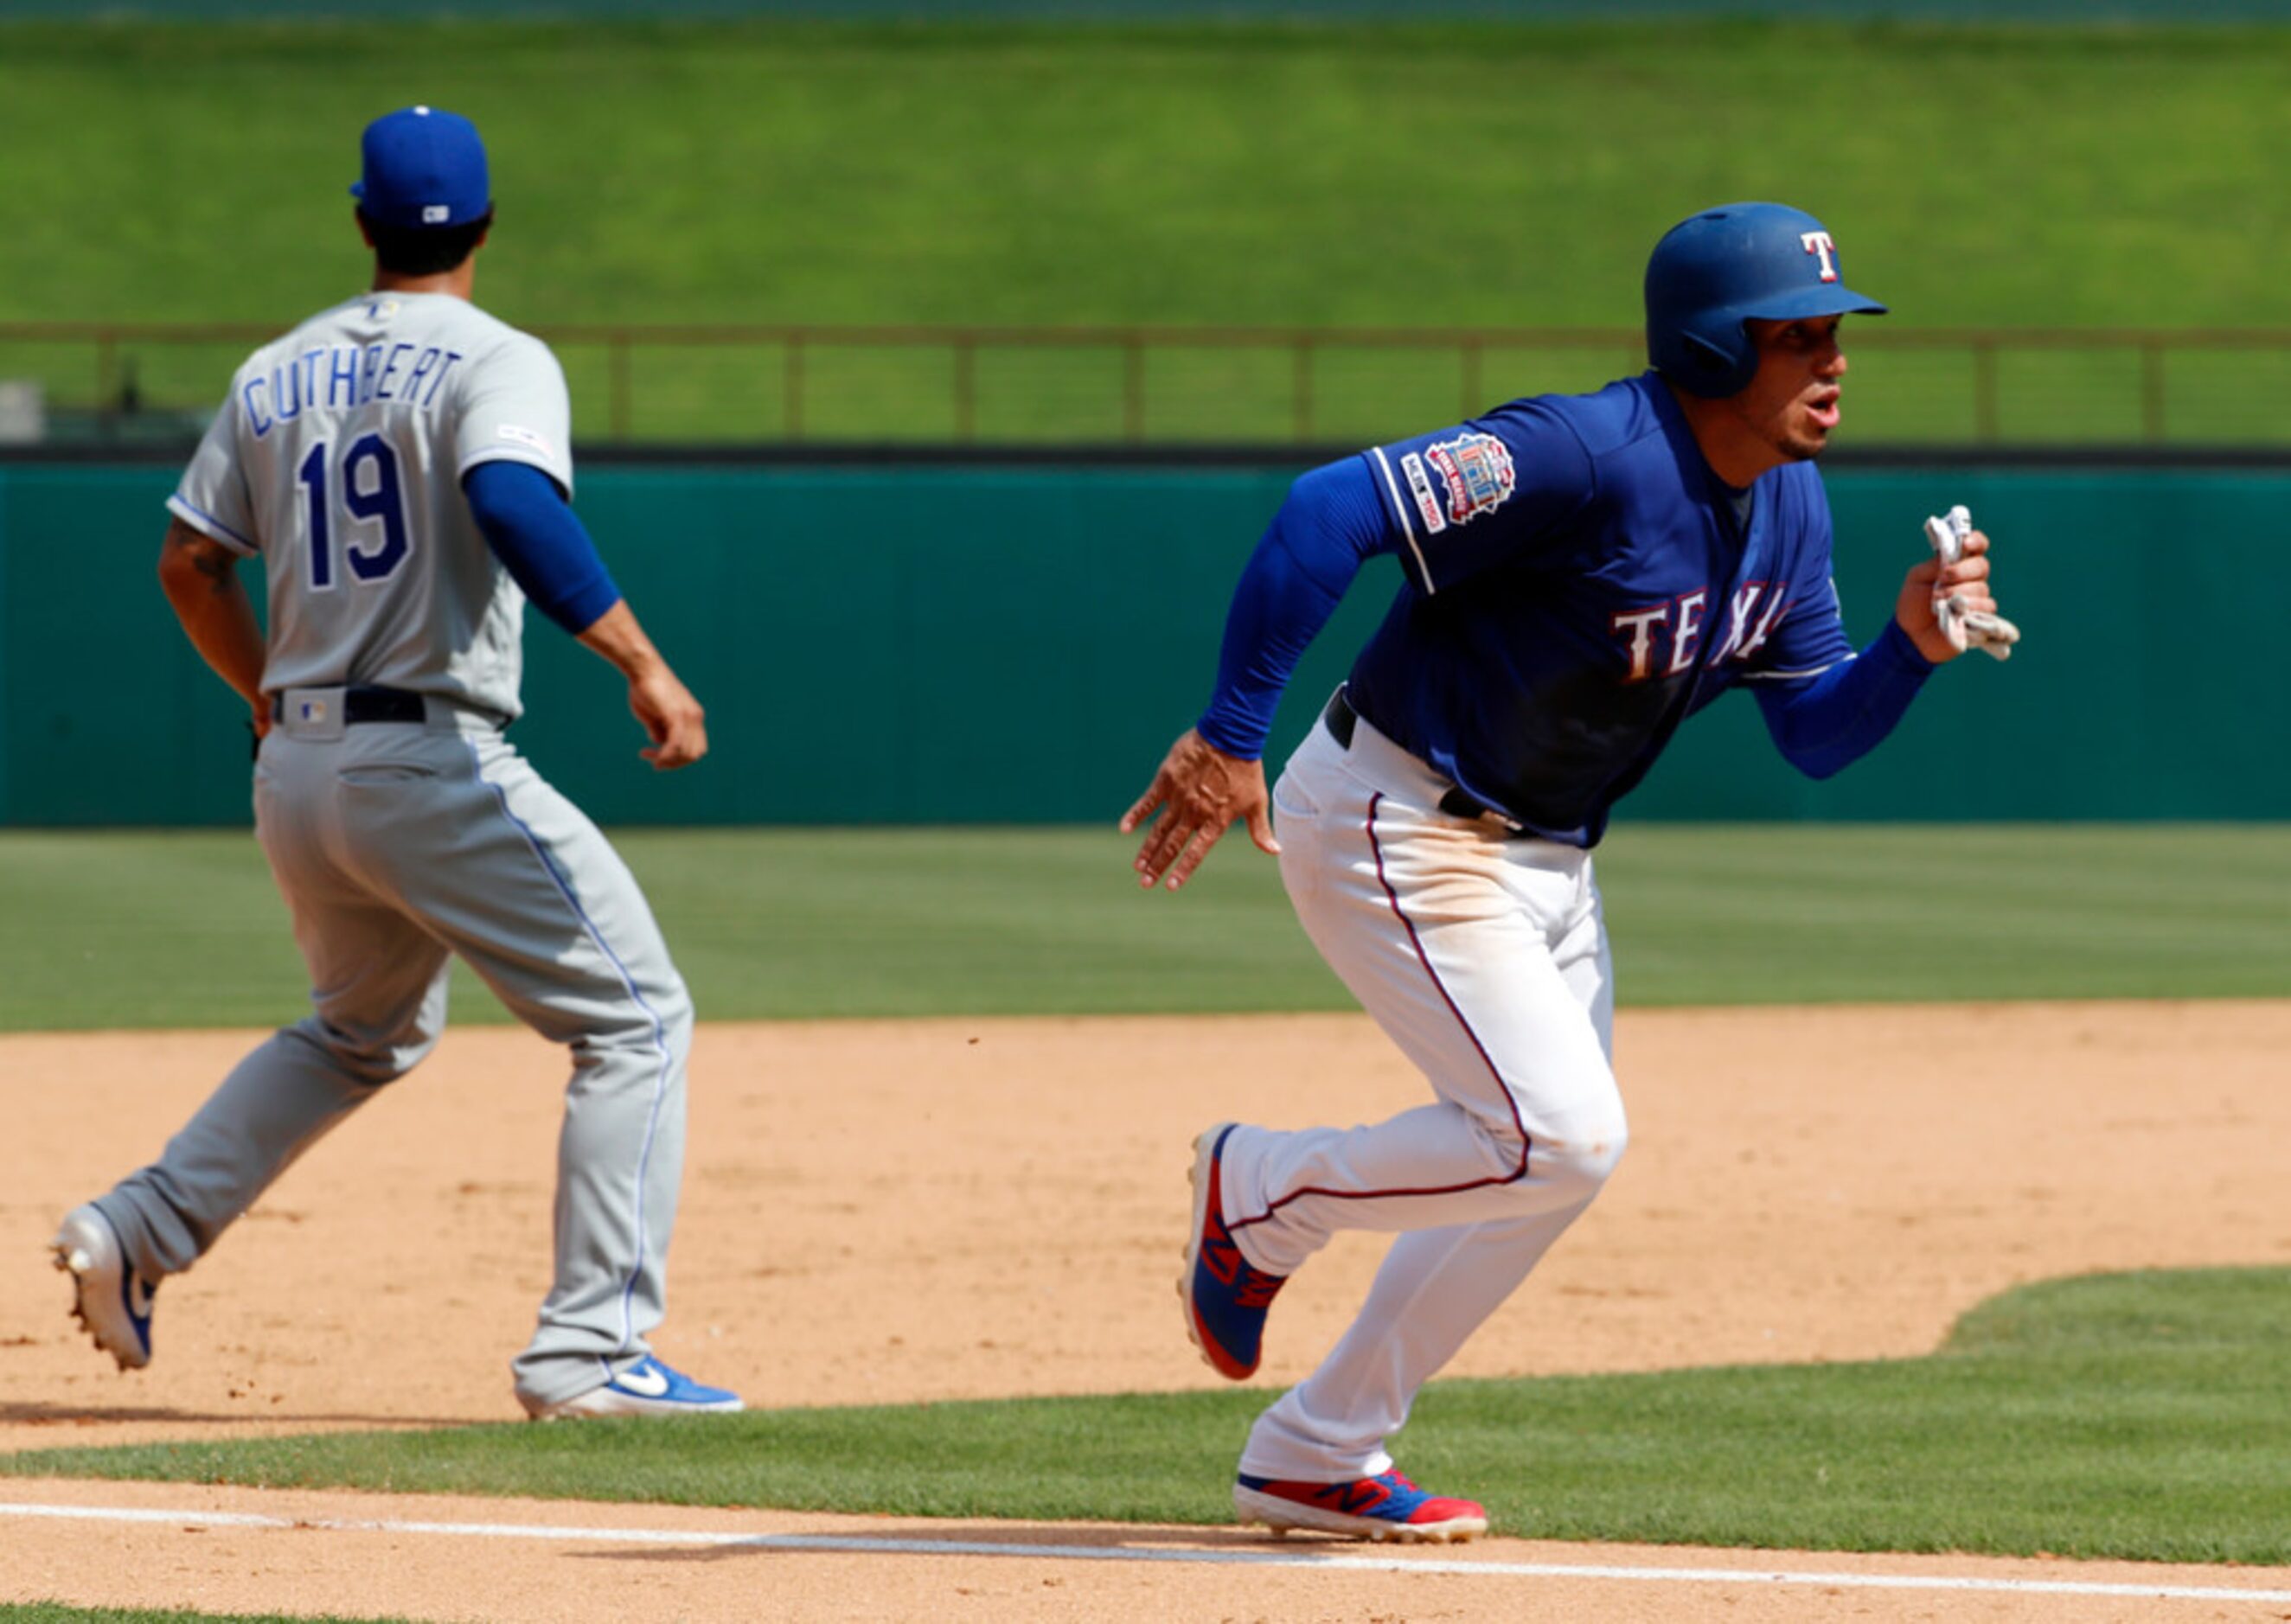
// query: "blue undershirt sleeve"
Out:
[535,532]
[1832,720]
[1334,519]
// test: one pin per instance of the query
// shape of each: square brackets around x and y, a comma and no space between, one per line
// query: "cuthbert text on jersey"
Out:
[348,375]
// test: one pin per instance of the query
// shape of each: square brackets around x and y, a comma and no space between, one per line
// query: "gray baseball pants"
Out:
[395,844]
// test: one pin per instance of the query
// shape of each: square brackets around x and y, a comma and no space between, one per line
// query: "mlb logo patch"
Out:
[1419,485]
[1477,468]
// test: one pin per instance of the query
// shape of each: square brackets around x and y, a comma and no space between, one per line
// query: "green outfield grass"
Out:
[2136,1416]
[125,929]
[1448,175]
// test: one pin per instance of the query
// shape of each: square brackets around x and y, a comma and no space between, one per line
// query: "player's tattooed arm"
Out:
[200,576]
[672,718]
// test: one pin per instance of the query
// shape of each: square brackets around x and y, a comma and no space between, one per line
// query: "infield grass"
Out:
[1444,175]
[2137,1415]
[184,928]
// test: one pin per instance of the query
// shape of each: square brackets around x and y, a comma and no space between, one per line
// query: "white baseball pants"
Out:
[1486,958]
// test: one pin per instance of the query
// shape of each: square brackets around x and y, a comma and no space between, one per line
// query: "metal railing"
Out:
[2140,386]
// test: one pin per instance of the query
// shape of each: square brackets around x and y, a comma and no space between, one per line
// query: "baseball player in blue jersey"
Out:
[1582,573]
[400,464]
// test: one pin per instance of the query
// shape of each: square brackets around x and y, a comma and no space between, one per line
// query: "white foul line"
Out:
[866,1545]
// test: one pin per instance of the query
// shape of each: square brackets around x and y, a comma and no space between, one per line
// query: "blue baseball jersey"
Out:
[1578,583]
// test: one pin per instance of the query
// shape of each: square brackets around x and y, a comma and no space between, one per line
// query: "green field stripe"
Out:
[2136,1416]
[1306,175]
[139,929]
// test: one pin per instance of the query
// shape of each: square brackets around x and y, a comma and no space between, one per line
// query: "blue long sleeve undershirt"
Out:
[1334,521]
[1833,721]
[541,542]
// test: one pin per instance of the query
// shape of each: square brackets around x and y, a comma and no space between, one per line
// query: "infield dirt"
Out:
[883,1212]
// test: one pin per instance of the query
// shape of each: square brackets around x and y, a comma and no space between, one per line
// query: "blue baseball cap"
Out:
[423,167]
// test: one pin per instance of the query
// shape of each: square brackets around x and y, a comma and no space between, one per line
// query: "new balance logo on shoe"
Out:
[1355,1497]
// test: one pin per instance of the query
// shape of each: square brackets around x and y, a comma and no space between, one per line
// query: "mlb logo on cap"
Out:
[423,167]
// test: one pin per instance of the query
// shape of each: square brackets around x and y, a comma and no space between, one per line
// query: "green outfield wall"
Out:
[920,644]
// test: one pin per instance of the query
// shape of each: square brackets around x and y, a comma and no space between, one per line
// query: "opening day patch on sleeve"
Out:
[1476,469]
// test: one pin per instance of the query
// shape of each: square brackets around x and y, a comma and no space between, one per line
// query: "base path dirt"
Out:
[886,1212]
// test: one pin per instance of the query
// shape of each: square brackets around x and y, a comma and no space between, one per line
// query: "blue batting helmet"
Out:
[1713,272]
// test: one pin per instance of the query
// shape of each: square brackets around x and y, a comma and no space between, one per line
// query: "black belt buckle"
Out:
[1455,803]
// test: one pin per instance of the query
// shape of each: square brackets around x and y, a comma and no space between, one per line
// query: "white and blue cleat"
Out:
[112,1301]
[646,1387]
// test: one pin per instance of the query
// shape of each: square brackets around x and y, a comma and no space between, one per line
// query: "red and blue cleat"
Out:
[1224,1295]
[1383,1507]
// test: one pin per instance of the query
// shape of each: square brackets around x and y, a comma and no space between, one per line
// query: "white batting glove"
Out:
[1964,628]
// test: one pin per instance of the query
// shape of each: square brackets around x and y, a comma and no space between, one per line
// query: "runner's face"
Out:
[1791,405]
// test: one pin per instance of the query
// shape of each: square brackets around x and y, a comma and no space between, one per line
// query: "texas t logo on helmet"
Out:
[1817,244]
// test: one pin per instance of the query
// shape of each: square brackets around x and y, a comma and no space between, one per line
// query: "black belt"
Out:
[369,703]
[1341,718]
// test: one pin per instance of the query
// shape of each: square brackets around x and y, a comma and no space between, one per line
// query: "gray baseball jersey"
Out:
[339,455]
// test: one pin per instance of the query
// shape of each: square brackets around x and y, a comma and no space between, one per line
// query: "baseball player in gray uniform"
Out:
[400,465]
